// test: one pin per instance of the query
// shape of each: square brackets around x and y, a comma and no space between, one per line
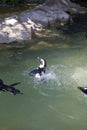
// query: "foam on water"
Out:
[46,77]
[50,76]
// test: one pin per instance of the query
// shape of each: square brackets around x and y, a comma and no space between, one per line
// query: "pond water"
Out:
[56,104]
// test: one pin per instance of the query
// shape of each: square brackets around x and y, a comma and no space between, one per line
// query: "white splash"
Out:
[46,78]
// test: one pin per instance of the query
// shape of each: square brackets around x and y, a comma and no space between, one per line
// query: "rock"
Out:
[10,21]
[3,37]
[14,30]
[22,26]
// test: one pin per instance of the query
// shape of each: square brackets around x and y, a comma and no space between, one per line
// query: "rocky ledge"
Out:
[22,26]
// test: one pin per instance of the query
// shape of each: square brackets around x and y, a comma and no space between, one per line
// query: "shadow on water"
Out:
[78,27]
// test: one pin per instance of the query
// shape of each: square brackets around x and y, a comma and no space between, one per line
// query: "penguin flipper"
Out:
[14,84]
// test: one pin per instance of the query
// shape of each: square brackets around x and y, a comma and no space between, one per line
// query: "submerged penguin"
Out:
[38,72]
[9,88]
[83,89]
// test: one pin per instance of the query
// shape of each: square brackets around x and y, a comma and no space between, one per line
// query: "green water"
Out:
[56,104]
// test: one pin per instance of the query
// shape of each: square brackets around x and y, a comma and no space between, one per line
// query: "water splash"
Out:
[49,76]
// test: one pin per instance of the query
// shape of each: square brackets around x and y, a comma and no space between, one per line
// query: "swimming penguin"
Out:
[38,72]
[9,88]
[83,89]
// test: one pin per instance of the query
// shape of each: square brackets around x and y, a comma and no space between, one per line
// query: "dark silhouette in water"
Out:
[9,88]
[86,35]
[38,72]
[83,89]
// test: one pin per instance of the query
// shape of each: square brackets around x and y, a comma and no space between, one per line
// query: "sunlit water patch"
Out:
[80,76]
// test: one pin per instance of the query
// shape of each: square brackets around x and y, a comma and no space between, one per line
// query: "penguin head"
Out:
[42,62]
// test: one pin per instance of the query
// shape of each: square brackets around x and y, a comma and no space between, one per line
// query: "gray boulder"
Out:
[22,26]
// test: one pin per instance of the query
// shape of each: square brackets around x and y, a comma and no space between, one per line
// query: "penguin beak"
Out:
[83,89]
[80,88]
